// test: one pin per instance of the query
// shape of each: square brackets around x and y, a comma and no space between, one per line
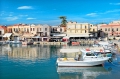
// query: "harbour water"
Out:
[39,62]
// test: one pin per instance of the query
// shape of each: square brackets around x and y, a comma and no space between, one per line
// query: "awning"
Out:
[80,35]
[7,34]
[56,37]
[61,35]
[36,37]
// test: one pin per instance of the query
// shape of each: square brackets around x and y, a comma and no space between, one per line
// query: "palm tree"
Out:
[64,21]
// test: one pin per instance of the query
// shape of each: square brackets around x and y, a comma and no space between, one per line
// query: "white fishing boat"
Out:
[83,58]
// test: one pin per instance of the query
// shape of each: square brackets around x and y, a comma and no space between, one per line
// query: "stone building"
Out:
[78,30]
[112,29]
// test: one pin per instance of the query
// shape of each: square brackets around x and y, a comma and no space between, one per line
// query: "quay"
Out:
[50,43]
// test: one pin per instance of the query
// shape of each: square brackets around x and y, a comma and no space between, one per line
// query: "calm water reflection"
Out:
[81,72]
[39,62]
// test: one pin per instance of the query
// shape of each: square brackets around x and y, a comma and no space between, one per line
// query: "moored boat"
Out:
[83,58]
[28,42]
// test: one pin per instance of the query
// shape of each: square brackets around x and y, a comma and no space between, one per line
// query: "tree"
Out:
[64,21]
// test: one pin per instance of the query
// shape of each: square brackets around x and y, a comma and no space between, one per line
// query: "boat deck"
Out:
[66,59]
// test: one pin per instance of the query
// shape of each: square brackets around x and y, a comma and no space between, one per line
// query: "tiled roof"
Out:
[3,27]
[110,25]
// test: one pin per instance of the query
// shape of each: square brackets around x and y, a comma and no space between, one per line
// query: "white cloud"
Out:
[11,18]
[106,12]
[23,15]
[25,7]
[10,15]
[2,13]
[91,14]
[116,10]
[110,11]
[115,3]
[30,18]
[49,22]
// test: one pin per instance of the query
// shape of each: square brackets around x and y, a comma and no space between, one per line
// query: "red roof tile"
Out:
[110,25]
[3,27]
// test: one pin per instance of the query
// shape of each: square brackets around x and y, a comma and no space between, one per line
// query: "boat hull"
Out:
[80,63]
[27,43]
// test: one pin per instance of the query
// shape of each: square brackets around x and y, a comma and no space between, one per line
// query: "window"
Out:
[85,31]
[108,29]
[24,29]
[14,29]
[17,29]
[105,29]
[10,30]
[85,27]
[45,29]
[55,29]
[45,33]
[27,30]
[116,29]
[112,29]
[0,32]
[93,30]
[60,29]
[40,29]
[31,29]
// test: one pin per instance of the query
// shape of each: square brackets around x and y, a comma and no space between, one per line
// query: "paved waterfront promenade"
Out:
[63,43]
[50,43]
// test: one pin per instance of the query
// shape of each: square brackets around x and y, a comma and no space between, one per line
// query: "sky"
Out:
[49,11]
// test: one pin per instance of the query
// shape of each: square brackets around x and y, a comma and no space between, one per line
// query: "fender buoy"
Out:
[101,50]
[87,49]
